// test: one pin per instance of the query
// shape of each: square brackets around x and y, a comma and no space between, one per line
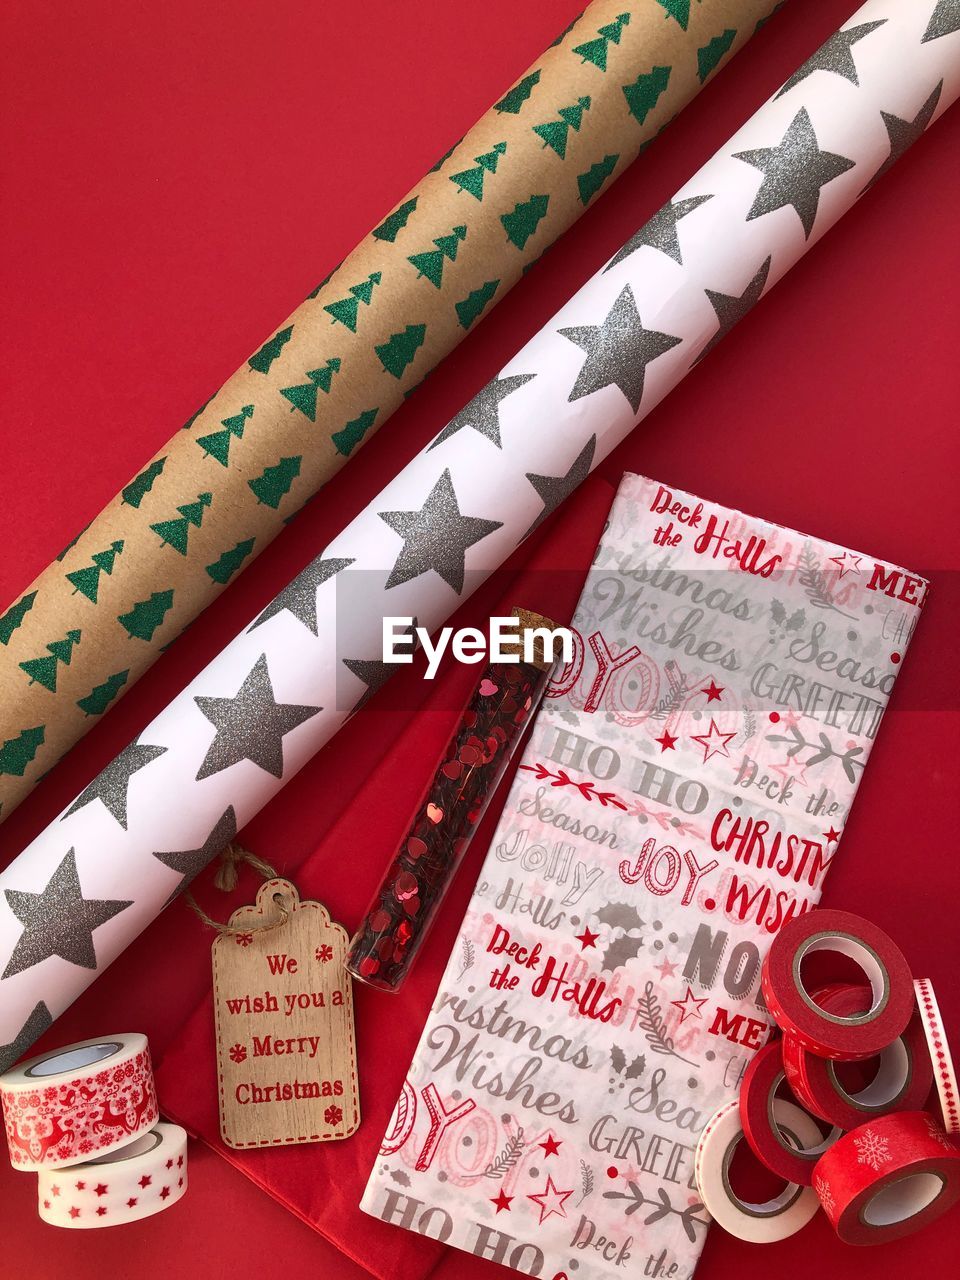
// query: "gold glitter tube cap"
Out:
[532,623]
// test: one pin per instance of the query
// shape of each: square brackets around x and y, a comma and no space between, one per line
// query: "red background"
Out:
[176,178]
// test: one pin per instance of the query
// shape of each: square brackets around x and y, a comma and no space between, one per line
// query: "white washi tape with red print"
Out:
[136,1182]
[944,1073]
[775,1219]
[64,1107]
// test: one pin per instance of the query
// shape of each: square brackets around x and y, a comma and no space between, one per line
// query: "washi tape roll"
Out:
[775,1219]
[761,1080]
[942,1060]
[888,1178]
[144,1178]
[901,1083]
[66,1106]
[830,1035]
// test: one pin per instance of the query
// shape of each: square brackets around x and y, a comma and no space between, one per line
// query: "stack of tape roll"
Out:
[879,1164]
[84,1119]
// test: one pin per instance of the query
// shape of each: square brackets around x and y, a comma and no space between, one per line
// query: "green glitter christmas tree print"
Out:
[512,103]
[175,533]
[713,52]
[430,264]
[554,133]
[345,310]
[398,351]
[589,183]
[304,395]
[473,304]
[471,180]
[217,443]
[524,218]
[44,670]
[146,615]
[346,440]
[100,697]
[15,615]
[140,485]
[87,580]
[595,51]
[223,569]
[271,487]
[261,362]
[642,96]
[679,10]
[391,227]
[17,753]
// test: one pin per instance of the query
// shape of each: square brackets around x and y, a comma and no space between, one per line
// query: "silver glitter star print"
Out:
[281,690]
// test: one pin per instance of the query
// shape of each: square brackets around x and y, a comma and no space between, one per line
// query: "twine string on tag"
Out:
[226,879]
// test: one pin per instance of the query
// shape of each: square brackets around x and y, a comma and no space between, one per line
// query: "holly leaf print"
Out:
[620,951]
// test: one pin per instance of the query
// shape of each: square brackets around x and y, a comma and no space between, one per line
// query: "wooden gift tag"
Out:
[286,1049]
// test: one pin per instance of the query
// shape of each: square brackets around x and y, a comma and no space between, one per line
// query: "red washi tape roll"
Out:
[901,1083]
[793,1007]
[944,1074]
[888,1178]
[69,1105]
[761,1080]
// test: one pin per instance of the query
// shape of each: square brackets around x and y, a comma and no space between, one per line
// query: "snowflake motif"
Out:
[333,1115]
[936,1133]
[244,939]
[238,1053]
[872,1149]
[825,1195]
[324,953]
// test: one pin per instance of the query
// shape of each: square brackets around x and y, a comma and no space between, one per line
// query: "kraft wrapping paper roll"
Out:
[223,487]
[280,691]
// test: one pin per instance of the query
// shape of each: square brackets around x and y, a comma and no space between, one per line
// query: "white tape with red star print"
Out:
[143,1179]
[68,1105]
[944,1072]
[681,797]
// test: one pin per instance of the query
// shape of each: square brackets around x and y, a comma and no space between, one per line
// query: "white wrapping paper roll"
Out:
[123,1186]
[100,873]
[64,1107]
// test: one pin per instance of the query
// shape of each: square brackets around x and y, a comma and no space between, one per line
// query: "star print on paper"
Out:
[189,862]
[482,414]
[836,55]
[730,308]
[661,231]
[618,351]
[550,1145]
[791,770]
[74,1211]
[831,836]
[37,1022]
[689,1006]
[300,597]
[713,691]
[101,1188]
[145,1180]
[552,490]
[846,563]
[586,939]
[714,741]
[794,170]
[251,725]
[550,1201]
[667,741]
[374,672]
[164,1192]
[436,536]
[944,20]
[904,133]
[81,1186]
[111,786]
[131,1202]
[58,921]
[502,1201]
[666,969]
[101,1210]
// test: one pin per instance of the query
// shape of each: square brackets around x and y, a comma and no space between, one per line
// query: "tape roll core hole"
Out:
[892,1078]
[146,1142]
[864,957]
[758,1209]
[902,1200]
[787,1139]
[74,1059]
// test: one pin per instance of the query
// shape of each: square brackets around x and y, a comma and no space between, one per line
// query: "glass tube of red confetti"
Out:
[455,799]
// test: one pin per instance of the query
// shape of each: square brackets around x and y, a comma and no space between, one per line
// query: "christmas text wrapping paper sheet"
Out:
[682,796]
[172,799]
